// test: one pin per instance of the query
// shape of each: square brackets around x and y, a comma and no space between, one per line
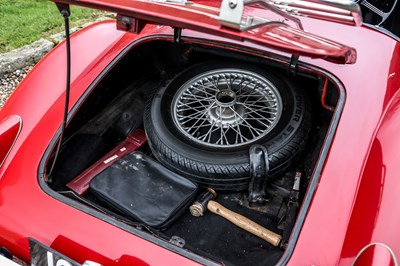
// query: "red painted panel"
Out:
[204,17]
[375,254]
[367,125]
[9,131]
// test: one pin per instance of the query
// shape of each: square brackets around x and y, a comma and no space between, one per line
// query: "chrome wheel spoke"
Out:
[227,108]
[209,133]
[201,118]
[248,125]
[257,108]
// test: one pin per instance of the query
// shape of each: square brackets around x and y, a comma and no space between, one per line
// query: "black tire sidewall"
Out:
[167,141]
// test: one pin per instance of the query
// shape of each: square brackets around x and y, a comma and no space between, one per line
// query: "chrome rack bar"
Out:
[339,11]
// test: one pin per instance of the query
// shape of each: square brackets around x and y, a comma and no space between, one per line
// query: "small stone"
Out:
[10,81]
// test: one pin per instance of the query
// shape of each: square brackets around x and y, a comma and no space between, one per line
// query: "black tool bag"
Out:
[144,190]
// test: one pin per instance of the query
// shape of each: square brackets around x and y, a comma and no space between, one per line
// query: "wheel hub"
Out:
[225,98]
[227,112]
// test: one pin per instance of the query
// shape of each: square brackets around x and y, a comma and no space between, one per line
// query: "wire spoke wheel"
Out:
[227,108]
[202,121]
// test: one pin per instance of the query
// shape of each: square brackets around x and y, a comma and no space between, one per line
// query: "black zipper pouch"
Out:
[144,190]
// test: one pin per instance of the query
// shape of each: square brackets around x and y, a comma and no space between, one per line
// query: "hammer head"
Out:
[200,205]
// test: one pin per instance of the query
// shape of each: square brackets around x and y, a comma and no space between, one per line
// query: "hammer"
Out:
[205,201]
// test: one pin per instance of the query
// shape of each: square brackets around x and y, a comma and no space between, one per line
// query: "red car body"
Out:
[355,188]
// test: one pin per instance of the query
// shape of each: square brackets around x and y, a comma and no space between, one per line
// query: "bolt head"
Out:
[232,3]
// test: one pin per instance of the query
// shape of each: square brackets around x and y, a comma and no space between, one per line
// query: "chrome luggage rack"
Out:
[339,11]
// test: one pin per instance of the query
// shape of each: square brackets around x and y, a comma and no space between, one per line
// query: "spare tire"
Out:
[202,121]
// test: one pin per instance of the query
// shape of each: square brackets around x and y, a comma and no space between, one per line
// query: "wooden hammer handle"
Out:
[244,223]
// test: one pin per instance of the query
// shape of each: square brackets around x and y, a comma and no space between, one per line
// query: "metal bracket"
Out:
[259,169]
[130,24]
[177,35]
[63,8]
[292,208]
[231,15]
[294,60]
[177,241]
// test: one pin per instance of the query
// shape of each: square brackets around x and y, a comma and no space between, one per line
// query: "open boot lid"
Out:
[253,21]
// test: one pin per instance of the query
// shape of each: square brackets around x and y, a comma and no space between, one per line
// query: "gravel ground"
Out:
[9,82]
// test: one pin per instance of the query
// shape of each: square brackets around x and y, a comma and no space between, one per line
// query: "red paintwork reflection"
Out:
[9,131]
[205,18]
[393,81]
[375,255]
[70,247]
[375,217]
[367,204]
[299,42]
